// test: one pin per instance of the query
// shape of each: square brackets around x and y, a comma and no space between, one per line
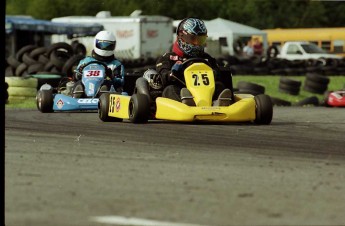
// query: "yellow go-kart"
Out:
[199,80]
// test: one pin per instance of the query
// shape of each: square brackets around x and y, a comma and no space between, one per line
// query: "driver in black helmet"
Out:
[190,43]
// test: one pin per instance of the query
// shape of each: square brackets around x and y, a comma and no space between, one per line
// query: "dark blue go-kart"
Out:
[69,96]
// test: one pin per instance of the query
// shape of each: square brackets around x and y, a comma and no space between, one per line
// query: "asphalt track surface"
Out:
[71,169]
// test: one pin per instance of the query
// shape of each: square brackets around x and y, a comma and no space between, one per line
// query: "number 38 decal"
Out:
[204,79]
[93,73]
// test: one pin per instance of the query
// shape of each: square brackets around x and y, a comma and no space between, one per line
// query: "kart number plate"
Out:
[93,73]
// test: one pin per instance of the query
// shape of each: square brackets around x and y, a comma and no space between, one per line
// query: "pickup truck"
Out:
[303,51]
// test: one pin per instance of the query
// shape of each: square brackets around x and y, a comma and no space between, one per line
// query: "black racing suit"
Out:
[172,87]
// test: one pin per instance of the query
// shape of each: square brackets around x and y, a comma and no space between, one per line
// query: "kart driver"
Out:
[190,43]
[103,51]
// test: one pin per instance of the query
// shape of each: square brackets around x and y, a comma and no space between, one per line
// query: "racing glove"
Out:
[109,73]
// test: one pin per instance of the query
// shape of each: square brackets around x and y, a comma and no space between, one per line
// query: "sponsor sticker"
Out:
[87,101]
[118,104]
[173,57]
[59,104]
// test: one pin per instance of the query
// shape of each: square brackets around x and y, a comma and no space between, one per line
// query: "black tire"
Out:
[24,49]
[315,87]
[28,59]
[312,90]
[103,109]
[59,58]
[272,52]
[45,101]
[280,102]
[264,109]
[79,49]
[324,101]
[12,60]
[60,45]
[10,71]
[68,68]
[139,108]
[21,69]
[34,68]
[290,82]
[247,91]
[313,100]
[317,78]
[242,85]
[292,90]
[37,52]
[43,59]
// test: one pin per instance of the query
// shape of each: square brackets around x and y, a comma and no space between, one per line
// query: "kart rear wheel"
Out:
[103,109]
[264,109]
[139,108]
[45,101]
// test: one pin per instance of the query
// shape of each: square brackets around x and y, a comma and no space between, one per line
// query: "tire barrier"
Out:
[249,87]
[21,88]
[289,86]
[316,83]
[31,59]
[309,101]
[270,64]
[5,92]
[280,102]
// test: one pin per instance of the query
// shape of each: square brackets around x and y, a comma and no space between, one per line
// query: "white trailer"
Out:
[138,37]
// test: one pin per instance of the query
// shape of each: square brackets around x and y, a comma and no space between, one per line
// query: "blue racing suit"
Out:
[116,67]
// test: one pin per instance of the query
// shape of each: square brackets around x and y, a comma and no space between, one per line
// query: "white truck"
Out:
[137,36]
[303,51]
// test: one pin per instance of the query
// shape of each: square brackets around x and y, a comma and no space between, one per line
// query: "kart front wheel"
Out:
[139,108]
[103,109]
[264,109]
[45,101]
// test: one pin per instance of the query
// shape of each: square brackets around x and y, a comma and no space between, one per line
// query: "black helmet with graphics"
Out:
[191,36]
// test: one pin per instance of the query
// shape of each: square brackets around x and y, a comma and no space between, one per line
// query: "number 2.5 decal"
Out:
[204,79]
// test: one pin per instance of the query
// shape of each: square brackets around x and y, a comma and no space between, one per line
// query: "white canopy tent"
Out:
[230,31]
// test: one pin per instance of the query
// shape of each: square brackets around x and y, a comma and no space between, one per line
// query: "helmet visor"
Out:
[197,40]
[105,45]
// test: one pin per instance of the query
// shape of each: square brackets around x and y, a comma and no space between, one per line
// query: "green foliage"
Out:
[261,14]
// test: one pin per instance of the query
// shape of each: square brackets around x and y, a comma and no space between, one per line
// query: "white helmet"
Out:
[104,43]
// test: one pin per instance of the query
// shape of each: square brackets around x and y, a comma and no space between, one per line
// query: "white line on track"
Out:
[119,220]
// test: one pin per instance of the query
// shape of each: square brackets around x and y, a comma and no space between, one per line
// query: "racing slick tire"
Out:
[45,101]
[264,109]
[139,108]
[103,109]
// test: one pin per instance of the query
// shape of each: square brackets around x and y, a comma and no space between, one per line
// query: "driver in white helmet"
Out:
[103,51]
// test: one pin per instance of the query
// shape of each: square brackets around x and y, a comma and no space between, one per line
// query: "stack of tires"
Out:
[316,83]
[289,86]
[32,66]
[21,88]
[5,92]
[55,61]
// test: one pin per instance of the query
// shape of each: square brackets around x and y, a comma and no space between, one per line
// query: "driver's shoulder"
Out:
[86,60]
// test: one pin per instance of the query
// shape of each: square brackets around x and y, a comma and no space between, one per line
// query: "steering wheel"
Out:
[187,63]
[190,61]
